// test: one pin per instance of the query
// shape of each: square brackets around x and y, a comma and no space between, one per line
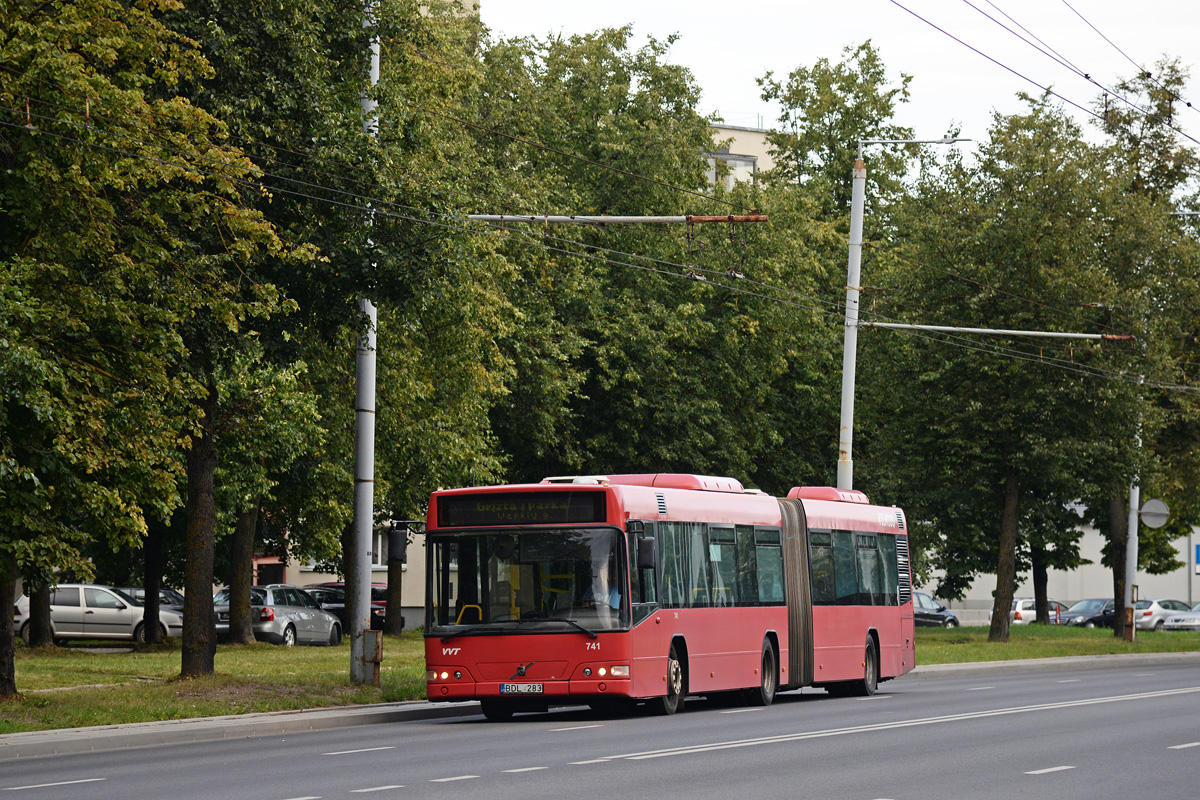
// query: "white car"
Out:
[1165,615]
[88,611]
[1024,611]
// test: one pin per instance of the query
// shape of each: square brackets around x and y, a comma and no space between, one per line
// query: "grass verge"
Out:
[68,687]
[963,645]
[71,687]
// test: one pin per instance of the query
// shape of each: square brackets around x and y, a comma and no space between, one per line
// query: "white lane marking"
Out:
[1184,746]
[1071,680]
[44,785]
[455,778]
[980,688]
[526,769]
[876,697]
[885,726]
[740,710]
[377,789]
[364,750]
[576,728]
[593,761]
[313,797]
[1047,770]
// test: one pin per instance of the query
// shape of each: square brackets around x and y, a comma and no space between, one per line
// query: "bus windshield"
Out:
[529,581]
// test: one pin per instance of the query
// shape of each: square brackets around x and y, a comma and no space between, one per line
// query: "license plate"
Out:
[520,688]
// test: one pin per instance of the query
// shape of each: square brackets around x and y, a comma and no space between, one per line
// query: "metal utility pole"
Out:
[858,195]
[358,604]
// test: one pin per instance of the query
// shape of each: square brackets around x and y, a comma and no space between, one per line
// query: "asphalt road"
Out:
[1117,732]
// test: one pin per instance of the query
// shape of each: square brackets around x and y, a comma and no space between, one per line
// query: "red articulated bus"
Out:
[613,590]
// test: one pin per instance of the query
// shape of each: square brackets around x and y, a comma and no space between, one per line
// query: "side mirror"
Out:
[647,553]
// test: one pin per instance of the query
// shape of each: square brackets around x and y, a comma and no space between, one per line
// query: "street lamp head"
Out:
[943,140]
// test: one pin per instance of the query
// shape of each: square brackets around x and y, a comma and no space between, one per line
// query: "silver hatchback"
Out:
[283,614]
[89,611]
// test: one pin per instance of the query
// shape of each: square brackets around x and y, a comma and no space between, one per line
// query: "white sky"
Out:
[728,45]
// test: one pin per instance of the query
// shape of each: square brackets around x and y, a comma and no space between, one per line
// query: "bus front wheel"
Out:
[496,710]
[673,699]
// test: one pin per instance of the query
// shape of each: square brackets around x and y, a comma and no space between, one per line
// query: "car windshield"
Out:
[257,597]
[1084,606]
[1196,608]
[128,598]
[532,581]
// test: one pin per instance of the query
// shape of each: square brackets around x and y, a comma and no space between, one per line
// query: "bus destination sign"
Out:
[520,508]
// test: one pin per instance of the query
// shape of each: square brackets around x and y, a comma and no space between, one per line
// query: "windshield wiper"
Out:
[467,631]
[472,630]
[570,622]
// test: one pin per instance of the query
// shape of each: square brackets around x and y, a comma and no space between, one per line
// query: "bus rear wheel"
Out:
[764,695]
[669,703]
[866,687]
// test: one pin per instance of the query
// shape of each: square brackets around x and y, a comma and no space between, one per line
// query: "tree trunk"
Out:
[8,643]
[1041,579]
[241,576]
[1006,570]
[199,638]
[152,567]
[1118,536]
[41,634]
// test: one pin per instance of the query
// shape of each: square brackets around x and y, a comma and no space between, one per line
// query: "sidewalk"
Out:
[206,729]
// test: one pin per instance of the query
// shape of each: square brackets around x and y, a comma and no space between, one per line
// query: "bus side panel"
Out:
[723,646]
[840,639]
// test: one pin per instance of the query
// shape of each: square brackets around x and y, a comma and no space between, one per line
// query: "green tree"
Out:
[1024,239]
[825,110]
[108,187]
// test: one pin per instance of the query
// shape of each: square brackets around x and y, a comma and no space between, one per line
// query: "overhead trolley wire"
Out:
[1191,165]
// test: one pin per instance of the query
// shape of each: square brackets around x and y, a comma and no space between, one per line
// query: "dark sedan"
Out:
[1094,613]
[931,613]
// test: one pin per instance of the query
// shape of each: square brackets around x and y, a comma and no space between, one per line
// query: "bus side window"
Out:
[746,571]
[722,557]
[672,554]
[697,565]
[891,576]
[821,560]
[769,558]
[870,585]
[845,571]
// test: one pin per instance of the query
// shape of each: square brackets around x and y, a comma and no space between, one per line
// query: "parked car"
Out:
[929,612]
[378,599]
[282,614]
[1184,622]
[1152,614]
[91,611]
[331,599]
[167,598]
[1092,613]
[1024,611]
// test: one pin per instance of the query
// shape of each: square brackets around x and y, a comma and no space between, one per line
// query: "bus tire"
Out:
[496,710]
[870,680]
[672,701]
[764,695]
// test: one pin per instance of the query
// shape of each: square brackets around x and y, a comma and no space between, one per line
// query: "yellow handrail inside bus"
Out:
[478,609]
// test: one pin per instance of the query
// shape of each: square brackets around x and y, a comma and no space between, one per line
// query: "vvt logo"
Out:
[451,651]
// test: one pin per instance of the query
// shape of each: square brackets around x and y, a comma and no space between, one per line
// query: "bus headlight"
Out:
[620,671]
